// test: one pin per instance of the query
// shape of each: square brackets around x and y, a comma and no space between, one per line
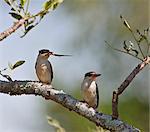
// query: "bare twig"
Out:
[67,101]
[123,51]
[147,40]
[28,2]
[148,47]
[124,85]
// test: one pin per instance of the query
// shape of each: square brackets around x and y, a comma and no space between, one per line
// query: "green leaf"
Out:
[7,77]
[55,5]
[125,22]
[125,46]
[15,15]
[17,64]
[27,30]
[136,52]
[47,5]
[22,2]
[10,2]
[42,14]
[12,9]
[7,1]
[52,4]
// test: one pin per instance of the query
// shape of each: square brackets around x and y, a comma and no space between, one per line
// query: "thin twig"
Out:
[138,44]
[123,51]
[148,46]
[127,25]
[28,2]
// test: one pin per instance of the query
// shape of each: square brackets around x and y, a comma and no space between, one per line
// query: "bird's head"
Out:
[45,53]
[92,75]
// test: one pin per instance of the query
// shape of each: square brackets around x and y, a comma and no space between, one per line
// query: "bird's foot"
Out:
[47,98]
[47,95]
[83,101]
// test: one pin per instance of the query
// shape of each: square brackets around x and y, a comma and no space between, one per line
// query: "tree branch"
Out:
[13,28]
[46,91]
[124,85]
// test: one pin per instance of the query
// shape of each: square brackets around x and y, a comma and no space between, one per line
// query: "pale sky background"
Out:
[57,32]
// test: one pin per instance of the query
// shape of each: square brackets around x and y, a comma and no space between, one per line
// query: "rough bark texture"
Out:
[46,91]
[124,85]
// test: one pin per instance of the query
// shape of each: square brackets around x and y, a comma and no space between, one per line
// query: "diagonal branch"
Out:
[124,85]
[67,101]
[13,28]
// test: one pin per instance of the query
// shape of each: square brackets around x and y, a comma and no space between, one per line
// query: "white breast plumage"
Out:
[89,92]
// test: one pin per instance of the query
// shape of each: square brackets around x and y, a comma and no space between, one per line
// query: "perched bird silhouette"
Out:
[89,89]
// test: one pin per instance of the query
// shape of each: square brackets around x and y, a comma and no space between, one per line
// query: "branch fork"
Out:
[124,85]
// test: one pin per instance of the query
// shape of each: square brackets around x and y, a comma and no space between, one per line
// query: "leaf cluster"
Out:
[135,48]
[20,10]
